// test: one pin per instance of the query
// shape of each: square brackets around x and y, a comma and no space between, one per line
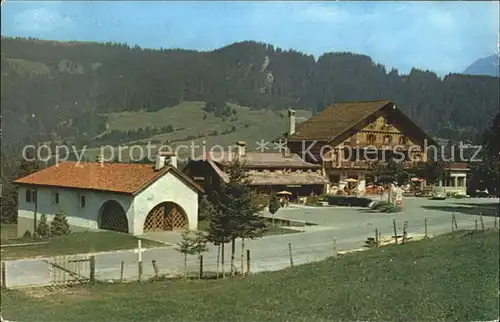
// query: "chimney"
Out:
[241,148]
[166,158]
[291,122]
[173,161]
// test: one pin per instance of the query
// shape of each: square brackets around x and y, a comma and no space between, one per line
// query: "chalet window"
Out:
[82,201]
[28,195]
[56,198]
[371,139]
[387,140]
[402,140]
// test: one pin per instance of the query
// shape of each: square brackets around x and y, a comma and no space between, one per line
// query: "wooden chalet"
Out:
[341,136]
[267,171]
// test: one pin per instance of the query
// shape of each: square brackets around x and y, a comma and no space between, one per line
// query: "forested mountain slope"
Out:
[59,90]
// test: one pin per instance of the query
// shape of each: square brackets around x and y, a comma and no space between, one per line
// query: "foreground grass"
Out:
[74,243]
[453,277]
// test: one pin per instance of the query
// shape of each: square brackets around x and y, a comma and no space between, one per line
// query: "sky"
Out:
[441,36]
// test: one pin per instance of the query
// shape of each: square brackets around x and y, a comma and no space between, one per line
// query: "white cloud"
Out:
[41,20]
[322,13]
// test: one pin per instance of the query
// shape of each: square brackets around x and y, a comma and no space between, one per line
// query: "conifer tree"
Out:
[206,209]
[186,246]
[42,228]
[200,242]
[59,225]
[236,213]
[274,204]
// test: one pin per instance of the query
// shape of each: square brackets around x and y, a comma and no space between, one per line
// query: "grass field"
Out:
[453,277]
[251,126]
[75,243]
[29,67]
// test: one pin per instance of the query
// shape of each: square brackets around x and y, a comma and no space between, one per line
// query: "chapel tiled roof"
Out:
[128,178]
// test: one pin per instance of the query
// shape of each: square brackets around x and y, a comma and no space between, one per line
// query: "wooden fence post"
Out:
[376,238]
[201,267]
[476,224]
[495,224]
[405,232]
[139,271]
[218,260]
[155,268]
[248,261]
[452,222]
[455,221]
[290,253]
[4,274]
[92,269]
[121,271]
[395,231]
[425,224]
[139,260]
[482,222]
[335,252]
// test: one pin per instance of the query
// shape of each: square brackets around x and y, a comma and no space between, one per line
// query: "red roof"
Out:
[129,178]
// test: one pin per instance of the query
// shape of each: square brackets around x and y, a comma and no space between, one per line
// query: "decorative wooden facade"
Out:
[346,138]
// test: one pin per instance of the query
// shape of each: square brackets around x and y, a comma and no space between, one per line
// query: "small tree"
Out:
[42,229]
[200,242]
[274,204]
[59,226]
[431,171]
[186,246]
[391,172]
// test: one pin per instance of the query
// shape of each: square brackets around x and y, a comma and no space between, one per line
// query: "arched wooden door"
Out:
[113,217]
[166,216]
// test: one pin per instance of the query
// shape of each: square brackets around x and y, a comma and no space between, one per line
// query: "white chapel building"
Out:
[126,197]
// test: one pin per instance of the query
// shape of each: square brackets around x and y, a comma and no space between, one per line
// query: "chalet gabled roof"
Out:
[127,178]
[339,118]
[335,120]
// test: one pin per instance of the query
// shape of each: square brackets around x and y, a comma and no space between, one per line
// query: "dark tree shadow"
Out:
[492,205]
[475,210]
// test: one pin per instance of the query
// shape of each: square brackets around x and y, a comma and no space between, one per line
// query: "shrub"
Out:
[42,228]
[348,201]
[59,226]
[384,206]
[27,234]
[313,200]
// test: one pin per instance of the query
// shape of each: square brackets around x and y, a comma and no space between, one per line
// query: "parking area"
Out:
[415,211]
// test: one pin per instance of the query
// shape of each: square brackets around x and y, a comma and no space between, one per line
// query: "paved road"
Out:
[348,226]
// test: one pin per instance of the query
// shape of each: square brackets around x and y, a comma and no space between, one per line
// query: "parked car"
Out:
[438,193]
